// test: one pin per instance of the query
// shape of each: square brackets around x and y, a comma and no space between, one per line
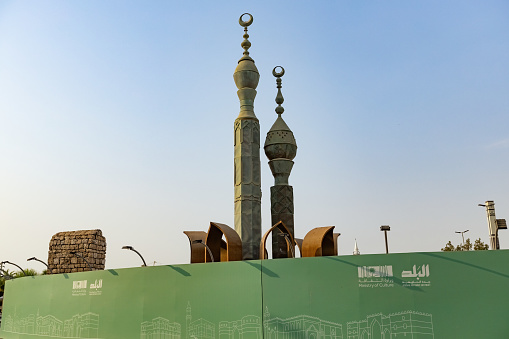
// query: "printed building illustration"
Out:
[249,327]
[82,326]
[301,326]
[79,326]
[198,329]
[160,328]
[408,324]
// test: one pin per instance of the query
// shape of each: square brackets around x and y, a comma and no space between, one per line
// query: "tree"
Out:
[28,272]
[6,274]
[467,246]
[480,246]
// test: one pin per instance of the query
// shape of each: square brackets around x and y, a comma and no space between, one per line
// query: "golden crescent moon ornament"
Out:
[246,23]
[278,74]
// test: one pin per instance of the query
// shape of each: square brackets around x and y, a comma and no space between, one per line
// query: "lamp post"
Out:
[385,228]
[82,257]
[199,241]
[462,236]
[130,248]
[8,262]
[34,258]
[288,243]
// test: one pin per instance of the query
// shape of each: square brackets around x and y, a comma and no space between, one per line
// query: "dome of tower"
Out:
[246,74]
[280,142]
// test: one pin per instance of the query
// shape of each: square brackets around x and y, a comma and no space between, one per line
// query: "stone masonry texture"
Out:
[89,244]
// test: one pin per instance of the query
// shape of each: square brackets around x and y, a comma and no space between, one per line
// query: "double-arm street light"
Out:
[462,236]
[130,248]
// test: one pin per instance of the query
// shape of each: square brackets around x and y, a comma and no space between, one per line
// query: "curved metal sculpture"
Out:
[299,245]
[197,249]
[214,242]
[319,242]
[290,242]
[335,236]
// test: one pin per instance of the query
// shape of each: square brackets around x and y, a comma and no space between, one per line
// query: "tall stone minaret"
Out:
[248,193]
[280,147]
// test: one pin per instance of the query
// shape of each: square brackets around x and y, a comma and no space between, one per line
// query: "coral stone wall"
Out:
[89,244]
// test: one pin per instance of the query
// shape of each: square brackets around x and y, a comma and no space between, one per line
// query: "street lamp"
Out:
[8,262]
[199,241]
[130,248]
[82,257]
[385,228]
[34,258]
[462,236]
[288,243]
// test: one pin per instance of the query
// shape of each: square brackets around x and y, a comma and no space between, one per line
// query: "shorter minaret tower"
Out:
[356,249]
[280,147]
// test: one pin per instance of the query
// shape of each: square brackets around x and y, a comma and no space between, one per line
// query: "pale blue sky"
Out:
[119,115]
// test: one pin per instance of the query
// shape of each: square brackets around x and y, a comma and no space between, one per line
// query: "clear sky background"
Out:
[118,115]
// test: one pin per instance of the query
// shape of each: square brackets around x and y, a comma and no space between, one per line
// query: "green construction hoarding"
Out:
[414,295]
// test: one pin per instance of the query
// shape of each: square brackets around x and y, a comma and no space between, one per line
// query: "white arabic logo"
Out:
[422,271]
[97,284]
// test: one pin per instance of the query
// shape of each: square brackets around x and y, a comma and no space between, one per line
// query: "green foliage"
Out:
[28,272]
[480,246]
[467,246]
[6,274]
[449,247]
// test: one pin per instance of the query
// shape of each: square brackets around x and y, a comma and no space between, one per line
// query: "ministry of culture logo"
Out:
[78,285]
[79,288]
[416,274]
[375,276]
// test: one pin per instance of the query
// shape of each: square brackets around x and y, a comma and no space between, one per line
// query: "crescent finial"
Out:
[246,23]
[279,96]
[278,74]
[246,43]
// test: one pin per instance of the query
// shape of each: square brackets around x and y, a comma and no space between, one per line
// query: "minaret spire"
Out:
[281,148]
[248,194]
[356,249]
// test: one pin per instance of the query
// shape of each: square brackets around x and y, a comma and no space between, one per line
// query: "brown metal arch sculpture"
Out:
[299,245]
[197,249]
[233,243]
[319,242]
[336,236]
[197,241]
[281,226]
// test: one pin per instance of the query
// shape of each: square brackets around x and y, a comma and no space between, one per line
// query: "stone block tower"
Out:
[77,251]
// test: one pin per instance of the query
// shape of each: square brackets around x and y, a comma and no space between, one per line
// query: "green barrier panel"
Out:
[186,301]
[415,295]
